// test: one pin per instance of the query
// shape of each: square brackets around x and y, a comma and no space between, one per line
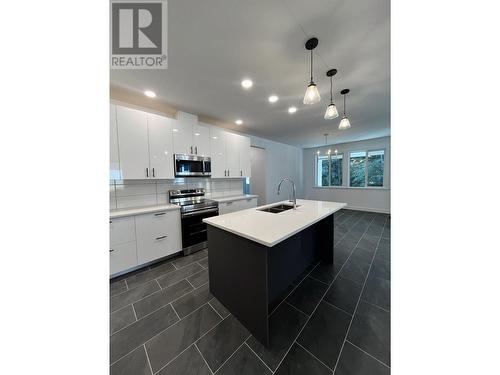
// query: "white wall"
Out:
[282,161]
[370,199]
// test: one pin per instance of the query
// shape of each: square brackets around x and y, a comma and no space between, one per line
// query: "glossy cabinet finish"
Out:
[121,230]
[122,257]
[114,157]
[182,136]
[218,152]
[158,235]
[238,205]
[161,156]
[201,140]
[244,156]
[133,142]
[233,155]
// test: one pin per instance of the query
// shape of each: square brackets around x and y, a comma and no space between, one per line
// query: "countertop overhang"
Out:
[123,212]
[270,229]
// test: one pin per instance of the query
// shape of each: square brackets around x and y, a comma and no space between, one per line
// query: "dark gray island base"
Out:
[248,277]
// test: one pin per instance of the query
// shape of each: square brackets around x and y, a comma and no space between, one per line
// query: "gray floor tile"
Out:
[218,344]
[384,250]
[244,362]
[368,243]
[184,261]
[176,276]
[150,274]
[378,292]
[204,262]
[192,301]
[381,268]
[117,287]
[370,331]
[307,295]
[138,333]
[199,279]
[188,363]
[121,318]
[326,272]
[325,332]
[165,346]
[344,294]
[133,295]
[219,307]
[355,270]
[284,326]
[161,298]
[299,362]
[362,255]
[135,363]
[354,362]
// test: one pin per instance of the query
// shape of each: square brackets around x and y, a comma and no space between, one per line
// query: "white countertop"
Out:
[268,228]
[234,198]
[113,214]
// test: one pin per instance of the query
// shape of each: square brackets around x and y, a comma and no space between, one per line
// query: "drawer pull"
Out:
[161,213]
[110,221]
[110,250]
[228,203]
[161,238]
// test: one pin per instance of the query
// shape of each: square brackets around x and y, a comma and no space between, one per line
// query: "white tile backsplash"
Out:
[136,193]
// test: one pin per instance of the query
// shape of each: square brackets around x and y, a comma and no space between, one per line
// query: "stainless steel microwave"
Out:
[191,165]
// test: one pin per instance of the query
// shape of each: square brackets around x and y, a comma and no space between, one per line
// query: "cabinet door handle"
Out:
[191,149]
[110,250]
[153,172]
[161,238]
[196,150]
[110,221]
[225,173]
[228,173]
[241,173]
[147,172]
[161,213]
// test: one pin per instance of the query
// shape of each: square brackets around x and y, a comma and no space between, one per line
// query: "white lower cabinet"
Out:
[237,205]
[122,257]
[158,235]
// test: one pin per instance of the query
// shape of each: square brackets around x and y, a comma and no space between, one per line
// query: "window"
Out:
[329,170]
[357,166]
[366,168]
[376,168]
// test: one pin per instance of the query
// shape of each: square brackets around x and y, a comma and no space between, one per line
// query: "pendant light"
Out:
[331,110]
[312,94]
[344,123]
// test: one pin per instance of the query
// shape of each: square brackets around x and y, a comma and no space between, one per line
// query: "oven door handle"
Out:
[200,212]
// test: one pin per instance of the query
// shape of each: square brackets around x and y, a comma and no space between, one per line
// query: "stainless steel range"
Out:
[194,208]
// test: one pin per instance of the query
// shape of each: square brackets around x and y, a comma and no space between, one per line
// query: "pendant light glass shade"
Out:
[331,112]
[344,123]
[312,94]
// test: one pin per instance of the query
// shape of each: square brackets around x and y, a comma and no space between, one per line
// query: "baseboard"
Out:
[377,210]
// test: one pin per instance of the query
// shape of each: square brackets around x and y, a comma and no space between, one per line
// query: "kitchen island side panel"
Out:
[238,279]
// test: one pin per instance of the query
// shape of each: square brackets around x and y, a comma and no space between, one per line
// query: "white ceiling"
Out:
[213,44]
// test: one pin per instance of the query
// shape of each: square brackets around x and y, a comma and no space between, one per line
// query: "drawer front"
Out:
[158,235]
[121,230]
[122,257]
[248,203]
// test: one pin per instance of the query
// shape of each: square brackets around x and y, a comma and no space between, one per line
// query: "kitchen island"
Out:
[256,254]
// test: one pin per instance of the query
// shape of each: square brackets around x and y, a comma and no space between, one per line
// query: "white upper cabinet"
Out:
[233,155]
[190,137]
[218,152]
[114,158]
[183,136]
[161,160]
[244,153]
[133,142]
[230,154]
[201,139]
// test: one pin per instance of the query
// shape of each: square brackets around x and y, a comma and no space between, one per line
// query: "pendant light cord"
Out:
[311,66]
[331,88]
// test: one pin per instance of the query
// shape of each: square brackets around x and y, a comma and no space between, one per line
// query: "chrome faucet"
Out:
[293,190]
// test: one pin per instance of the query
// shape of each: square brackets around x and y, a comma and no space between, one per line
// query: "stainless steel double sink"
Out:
[278,208]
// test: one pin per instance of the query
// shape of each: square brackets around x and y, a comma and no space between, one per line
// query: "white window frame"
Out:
[316,175]
[367,151]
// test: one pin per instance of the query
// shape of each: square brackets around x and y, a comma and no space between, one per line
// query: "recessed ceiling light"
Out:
[273,99]
[292,109]
[239,122]
[150,94]
[246,83]
[196,133]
